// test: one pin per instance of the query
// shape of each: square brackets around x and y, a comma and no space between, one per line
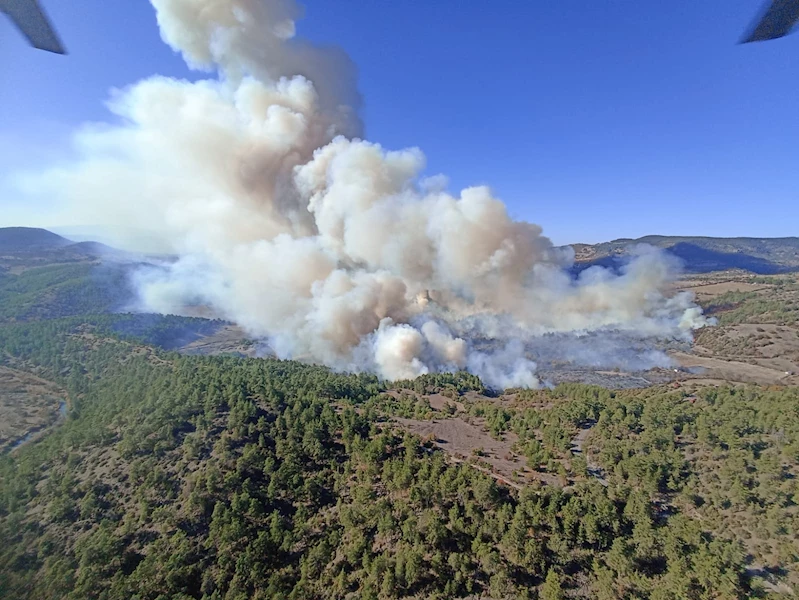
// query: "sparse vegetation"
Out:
[778,304]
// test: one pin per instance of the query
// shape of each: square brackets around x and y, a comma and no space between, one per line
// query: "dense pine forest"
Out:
[225,477]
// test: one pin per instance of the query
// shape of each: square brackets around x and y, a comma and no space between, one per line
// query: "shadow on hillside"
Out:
[169,332]
[702,260]
[697,259]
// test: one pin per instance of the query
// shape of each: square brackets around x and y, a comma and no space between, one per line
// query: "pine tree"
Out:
[552,588]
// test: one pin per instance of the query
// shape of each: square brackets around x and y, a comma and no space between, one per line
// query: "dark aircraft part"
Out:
[33,23]
[776,22]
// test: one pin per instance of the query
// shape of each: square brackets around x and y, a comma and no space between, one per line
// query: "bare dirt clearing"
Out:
[734,370]
[27,404]
[720,282]
[707,291]
[756,339]
[441,402]
[767,345]
[462,440]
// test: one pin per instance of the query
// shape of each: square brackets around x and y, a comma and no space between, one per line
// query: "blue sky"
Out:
[596,120]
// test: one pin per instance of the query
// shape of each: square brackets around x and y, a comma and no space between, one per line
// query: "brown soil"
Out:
[762,353]
[735,370]
[27,404]
[766,345]
[462,440]
[440,402]
[706,291]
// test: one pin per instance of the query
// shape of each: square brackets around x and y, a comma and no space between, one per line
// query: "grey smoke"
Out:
[333,248]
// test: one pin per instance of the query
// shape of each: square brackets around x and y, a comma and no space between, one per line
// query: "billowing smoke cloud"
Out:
[333,248]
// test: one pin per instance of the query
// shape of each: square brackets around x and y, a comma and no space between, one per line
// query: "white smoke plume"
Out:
[333,248]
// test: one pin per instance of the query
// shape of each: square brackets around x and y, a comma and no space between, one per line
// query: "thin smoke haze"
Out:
[329,246]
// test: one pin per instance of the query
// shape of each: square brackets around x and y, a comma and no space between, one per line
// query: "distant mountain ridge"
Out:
[699,254]
[22,239]
[28,247]
[702,254]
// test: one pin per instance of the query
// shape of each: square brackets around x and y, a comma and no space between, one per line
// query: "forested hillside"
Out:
[29,239]
[223,477]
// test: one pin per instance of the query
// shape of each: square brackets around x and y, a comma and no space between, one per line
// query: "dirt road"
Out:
[593,468]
